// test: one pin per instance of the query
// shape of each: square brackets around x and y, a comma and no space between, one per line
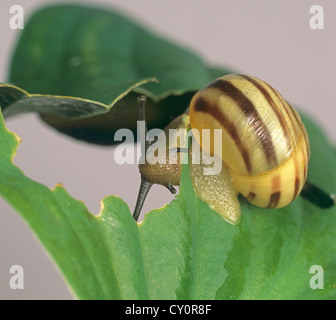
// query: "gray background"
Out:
[270,39]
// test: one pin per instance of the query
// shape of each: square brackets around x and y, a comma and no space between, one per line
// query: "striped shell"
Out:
[264,142]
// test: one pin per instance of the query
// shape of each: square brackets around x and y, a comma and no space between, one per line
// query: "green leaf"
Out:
[83,51]
[85,119]
[91,258]
[185,250]
[98,55]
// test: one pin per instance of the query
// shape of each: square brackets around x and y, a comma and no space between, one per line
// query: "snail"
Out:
[264,149]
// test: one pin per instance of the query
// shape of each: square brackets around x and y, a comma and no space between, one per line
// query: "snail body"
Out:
[264,149]
[162,171]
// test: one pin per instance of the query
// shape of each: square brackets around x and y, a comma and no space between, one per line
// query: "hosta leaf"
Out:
[86,119]
[184,250]
[74,238]
[98,55]
[14,100]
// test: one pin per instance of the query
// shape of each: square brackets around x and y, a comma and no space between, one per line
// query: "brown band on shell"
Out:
[274,107]
[252,116]
[205,106]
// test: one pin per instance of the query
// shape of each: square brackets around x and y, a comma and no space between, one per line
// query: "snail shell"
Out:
[265,146]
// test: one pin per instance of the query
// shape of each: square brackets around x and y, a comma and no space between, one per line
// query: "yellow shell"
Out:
[265,146]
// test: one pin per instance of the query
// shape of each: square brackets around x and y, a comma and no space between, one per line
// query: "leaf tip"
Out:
[106,202]
[58,185]
[17,137]
[102,207]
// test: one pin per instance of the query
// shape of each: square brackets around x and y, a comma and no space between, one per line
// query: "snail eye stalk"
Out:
[145,184]
[143,191]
